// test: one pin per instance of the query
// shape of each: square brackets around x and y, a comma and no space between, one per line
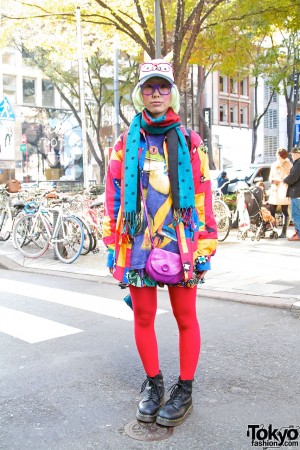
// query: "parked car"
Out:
[245,177]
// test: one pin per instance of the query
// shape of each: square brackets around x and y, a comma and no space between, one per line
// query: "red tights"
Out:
[183,301]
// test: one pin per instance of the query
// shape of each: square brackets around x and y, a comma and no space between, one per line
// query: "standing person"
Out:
[278,192]
[176,190]
[293,182]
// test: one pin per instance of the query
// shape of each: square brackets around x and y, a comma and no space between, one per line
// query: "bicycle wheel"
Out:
[31,236]
[94,241]
[69,239]
[88,241]
[4,232]
[222,216]
[17,217]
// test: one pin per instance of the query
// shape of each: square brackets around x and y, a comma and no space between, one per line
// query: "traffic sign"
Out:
[24,139]
[23,147]
[6,111]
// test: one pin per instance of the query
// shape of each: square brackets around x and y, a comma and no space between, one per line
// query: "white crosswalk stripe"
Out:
[35,329]
[31,328]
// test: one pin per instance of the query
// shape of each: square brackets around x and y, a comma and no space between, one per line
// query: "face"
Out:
[156,103]
[295,156]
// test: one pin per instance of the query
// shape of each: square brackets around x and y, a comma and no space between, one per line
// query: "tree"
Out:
[186,26]
[238,48]
[181,23]
[60,64]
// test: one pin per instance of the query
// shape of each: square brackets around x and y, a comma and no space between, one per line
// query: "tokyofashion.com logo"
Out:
[271,437]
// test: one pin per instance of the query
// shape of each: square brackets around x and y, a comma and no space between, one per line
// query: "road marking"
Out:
[31,328]
[87,302]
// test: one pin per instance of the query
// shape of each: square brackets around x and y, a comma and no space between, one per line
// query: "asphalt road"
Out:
[78,390]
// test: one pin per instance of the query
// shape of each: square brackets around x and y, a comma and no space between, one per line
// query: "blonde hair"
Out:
[137,98]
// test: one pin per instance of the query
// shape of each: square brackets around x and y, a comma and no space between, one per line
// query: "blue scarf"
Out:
[180,169]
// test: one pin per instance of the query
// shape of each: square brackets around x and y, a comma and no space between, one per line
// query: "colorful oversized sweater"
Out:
[125,254]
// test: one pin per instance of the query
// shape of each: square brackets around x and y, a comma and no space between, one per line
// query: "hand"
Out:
[111,270]
[201,274]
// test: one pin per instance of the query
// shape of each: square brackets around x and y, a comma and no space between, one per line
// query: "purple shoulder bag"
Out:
[162,266]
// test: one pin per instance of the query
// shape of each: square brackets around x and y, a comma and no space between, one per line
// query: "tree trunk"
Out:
[207,132]
[254,140]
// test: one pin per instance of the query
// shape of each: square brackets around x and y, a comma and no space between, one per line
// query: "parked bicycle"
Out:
[91,213]
[11,209]
[43,227]
[222,214]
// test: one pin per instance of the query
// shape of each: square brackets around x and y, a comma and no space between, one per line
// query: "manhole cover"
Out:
[143,431]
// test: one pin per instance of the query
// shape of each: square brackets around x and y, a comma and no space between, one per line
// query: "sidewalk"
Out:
[261,273]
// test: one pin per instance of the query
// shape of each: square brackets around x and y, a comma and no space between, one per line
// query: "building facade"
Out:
[231,107]
[40,138]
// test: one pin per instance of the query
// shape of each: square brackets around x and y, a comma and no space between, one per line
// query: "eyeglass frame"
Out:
[155,87]
[155,66]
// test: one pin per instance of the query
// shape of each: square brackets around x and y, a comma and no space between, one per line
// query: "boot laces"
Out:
[176,390]
[153,391]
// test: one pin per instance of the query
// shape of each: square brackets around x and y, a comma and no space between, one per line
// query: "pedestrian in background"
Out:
[278,192]
[293,191]
[172,211]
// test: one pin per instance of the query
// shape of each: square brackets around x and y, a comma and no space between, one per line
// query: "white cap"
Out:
[156,68]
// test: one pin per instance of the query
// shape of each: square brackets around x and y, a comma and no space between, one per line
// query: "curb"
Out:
[251,299]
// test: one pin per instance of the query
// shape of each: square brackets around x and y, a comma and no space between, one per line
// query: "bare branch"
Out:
[144,26]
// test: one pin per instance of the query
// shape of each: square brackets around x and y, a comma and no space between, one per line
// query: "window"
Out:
[233,86]
[244,115]
[244,87]
[268,93]
[223,113]
[233,114]
[9,57]
[270,148]
[264,173]
[271,119]
[29,91]
[47,93]
[275,97]
[222,84]
[9,87]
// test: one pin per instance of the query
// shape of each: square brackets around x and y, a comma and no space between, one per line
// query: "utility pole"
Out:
[82,101]
[157,29]
[116,87]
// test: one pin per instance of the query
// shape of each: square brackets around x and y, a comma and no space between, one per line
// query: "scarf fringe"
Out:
[184,215]
[131,222]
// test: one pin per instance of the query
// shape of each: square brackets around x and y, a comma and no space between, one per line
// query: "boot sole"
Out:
[146,417]
[174,422]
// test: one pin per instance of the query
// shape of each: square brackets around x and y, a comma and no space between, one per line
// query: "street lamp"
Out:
[157,29]
[220,156]
[116,87]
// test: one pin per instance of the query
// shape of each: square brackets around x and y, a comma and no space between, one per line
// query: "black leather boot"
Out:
[284,228]
[178,407]
[153,399]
